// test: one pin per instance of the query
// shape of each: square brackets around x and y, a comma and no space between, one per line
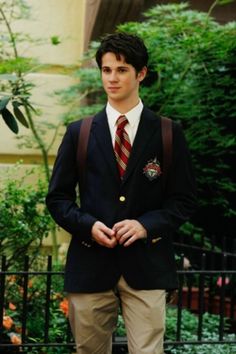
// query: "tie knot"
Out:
[121,122]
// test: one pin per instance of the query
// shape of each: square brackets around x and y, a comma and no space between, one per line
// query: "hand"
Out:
[128,231]
[103,235]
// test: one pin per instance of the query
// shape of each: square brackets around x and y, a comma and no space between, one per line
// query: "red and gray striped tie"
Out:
[122,145]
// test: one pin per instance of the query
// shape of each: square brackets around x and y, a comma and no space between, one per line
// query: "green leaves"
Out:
[24,219]
[19,115]
[224,2]
[189,325]
[3,102]
[14,65]
[55,40]
[9,118]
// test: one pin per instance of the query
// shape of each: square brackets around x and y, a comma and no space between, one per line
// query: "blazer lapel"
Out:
[101,132]
[147,127]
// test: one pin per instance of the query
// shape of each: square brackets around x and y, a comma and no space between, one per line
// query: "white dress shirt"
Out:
[133,117]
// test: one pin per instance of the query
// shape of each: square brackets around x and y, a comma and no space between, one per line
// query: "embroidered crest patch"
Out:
[153,169]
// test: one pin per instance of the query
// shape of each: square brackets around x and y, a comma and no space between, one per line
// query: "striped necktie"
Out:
[122,145]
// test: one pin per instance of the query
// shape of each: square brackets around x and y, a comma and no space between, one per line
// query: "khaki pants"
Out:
[93,319]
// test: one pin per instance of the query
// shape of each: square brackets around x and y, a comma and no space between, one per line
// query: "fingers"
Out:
[103,235]
[128,231]
[124,232]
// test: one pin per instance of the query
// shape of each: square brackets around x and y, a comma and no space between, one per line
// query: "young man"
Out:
[121,250]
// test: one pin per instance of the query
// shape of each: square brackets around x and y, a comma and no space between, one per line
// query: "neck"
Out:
[124,106]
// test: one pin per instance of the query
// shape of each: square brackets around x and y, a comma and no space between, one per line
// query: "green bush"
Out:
[24,220]
[36,303]
[194,58]
[189,326]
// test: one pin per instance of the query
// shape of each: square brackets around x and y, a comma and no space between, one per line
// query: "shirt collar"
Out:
[133,116]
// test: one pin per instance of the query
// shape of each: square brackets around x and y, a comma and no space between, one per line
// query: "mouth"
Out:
[112,88]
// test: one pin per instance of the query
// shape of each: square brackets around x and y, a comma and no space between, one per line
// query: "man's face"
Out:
[120,80]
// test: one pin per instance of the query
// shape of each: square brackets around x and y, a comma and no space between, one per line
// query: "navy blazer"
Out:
[146,264]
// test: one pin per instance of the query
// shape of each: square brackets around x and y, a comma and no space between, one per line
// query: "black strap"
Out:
[166,131]
[82,149]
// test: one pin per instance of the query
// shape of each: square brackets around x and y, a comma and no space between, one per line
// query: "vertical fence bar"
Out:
[189,282]
[232,297]
[222,299]
[233,281]
[212,266]
[47,298]
[68,333]
[223,244]
[202,240]
[2,292]
[25,297]
[201,296]
[180,300]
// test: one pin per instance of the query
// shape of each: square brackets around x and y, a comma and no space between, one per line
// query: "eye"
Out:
[122,70]
[106,70]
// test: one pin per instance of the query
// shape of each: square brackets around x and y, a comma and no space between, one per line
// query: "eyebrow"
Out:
[118,67]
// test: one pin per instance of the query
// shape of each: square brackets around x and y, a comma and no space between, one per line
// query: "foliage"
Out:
[16,89]
[192,234]
[191,79]
[88,89]
[189,325]
[120,329]
[24,219]
[12,66]
[16,106]
[36,302]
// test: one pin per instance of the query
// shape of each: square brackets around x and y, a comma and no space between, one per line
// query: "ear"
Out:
[142,74]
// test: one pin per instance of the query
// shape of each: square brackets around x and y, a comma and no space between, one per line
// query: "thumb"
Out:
[106,230]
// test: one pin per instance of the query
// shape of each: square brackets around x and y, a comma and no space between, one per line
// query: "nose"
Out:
[113,76]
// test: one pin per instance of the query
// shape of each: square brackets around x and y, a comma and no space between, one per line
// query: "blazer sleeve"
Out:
[61,197]
[179,201]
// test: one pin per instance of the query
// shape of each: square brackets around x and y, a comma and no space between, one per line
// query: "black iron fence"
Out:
[33,309]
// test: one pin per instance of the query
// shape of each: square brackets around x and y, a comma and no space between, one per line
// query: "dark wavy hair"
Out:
[130,46]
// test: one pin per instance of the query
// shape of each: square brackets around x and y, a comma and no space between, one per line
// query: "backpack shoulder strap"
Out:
[166,131]
[167,137]
[82,148]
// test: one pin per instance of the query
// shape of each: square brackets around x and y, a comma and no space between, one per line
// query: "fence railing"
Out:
[213,249]
[33,308]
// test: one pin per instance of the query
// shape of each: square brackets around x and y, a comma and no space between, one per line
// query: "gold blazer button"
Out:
[155,240]
[122,198]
